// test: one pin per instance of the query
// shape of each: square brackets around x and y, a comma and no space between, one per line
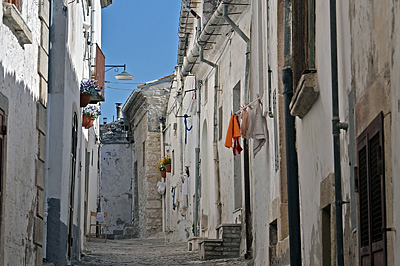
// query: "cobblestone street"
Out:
[146,252]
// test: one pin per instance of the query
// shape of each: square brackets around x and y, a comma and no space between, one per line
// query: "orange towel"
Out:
[233,133]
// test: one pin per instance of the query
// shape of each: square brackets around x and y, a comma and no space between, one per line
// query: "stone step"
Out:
[193,243]
[226,246]
[225,231]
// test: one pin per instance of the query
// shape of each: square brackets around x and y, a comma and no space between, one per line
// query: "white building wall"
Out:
[19,94]
[69,67]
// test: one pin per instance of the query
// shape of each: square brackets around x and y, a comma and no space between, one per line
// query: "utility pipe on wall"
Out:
[336,126]
[197,168]
[290,143]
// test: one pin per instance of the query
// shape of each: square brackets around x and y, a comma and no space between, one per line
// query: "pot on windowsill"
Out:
[85,99]
[90,124]
[163,173]
[86,120]
[168,168]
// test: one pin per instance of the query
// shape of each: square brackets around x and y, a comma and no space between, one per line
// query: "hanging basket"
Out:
[85,120]
[90,124]
[168,168]
[85,99]
[163,173]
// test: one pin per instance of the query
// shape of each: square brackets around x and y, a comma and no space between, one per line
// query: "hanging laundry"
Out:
[186,127]
[245,123]
[233,133]
[260,132]
[173,198]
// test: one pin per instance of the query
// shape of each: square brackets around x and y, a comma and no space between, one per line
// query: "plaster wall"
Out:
[264,179]
[314,143]
[67,69]
[116,185]
[394,221]
[232,65]
[19,93]
[374,65]
[179,221]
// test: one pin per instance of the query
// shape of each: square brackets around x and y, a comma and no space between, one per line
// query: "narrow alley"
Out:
[146,252]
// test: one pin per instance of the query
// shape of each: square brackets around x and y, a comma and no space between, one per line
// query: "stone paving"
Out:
[146,252]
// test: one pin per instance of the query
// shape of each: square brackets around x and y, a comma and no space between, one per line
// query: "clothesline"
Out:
[247,105]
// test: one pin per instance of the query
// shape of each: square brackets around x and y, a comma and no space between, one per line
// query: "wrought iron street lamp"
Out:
[124,75]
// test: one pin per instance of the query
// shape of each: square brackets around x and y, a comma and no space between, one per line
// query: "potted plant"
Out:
[161,168]
[90,113]
[166,161]
[87,89]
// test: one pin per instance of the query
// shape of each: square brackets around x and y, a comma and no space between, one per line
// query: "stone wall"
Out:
[116,186]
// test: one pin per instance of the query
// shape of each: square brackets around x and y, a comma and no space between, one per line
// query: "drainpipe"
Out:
[197,166]
[163,196]
[290,139]
[91,41]
[336,126]
[215,137]
[46,177]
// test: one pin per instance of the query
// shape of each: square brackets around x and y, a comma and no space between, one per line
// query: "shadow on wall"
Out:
[18,102]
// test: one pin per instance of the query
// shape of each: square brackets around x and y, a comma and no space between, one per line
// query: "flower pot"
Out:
[168,168]
[163,173]
[85,120]
[90,124]
[85,99]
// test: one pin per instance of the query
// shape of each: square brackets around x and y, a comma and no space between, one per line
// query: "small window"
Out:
[173,162]
[144,153]
[17,3]
[205,92]
[220,124]
[303,37]
[2,134]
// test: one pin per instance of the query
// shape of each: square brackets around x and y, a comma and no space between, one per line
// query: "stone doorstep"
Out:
[227,230]
[193,243]
[227,247]
[212,242]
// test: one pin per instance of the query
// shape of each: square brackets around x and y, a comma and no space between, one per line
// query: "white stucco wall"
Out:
[69,67]
[19,84]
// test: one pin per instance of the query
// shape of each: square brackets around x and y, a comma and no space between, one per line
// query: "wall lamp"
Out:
[121,76]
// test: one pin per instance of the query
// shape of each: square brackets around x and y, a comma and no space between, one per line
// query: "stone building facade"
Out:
[305,181]
[143,110]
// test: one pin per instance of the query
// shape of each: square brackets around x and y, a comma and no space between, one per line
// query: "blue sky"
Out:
[144,36]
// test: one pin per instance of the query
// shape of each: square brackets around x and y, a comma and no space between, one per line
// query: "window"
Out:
[12,19]
[205,92]
[220,113]
[17,3]
[326,236]
[144,153]
[173,162]
[303,37]
[371,185]
[99,73]
[273,241]
[2,134]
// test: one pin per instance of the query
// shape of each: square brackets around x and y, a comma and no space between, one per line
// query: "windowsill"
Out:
[307,93]
[12,18]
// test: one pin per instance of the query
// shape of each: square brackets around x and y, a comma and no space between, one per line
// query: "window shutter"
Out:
[371,188]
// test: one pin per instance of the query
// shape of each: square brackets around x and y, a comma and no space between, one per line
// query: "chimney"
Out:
[104,120]
[118,111]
